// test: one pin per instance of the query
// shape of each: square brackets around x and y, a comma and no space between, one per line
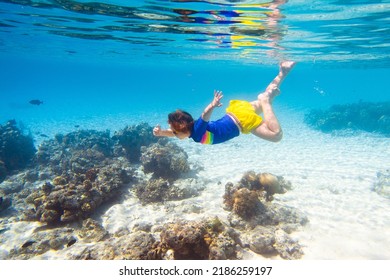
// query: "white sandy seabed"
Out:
[332,179]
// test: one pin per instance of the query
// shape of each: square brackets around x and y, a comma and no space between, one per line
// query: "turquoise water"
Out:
[110,57]
[104,65]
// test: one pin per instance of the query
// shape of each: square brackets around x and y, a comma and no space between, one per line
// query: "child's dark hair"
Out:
[181,121]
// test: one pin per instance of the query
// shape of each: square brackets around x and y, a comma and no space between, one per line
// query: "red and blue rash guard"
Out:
[214,132]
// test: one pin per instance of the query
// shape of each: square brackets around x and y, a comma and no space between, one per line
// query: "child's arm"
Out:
[206,115]
[157,131]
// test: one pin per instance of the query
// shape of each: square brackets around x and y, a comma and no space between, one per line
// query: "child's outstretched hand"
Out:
[217,99]
[157,130]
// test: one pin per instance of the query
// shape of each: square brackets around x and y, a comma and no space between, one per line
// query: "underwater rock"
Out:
[270,241]
[160,190]
[263,185]
[31,176]
[132,138]
[382,184]
[262,221]
[366,116]
[165,160]
[261,240]
[287,248]
[155,190]
[42,241]
[249,210]
[245,203]
[135,246]
[3,171]
[196,240]
[77,151]
[76,196]
[186,240]
[16,149]
[92,231]
[11,186]
[5,202]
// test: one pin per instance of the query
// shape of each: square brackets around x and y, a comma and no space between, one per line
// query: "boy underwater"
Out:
[241,117]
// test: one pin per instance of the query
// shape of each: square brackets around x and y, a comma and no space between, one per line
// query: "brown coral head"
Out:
[250,181]
[228,196]
[91,174]
[186,240]
[59,181]
[270,183]
[245,203]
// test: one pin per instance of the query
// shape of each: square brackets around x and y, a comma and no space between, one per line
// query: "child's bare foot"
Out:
[286,66]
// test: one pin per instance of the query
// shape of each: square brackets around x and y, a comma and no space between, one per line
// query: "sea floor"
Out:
[332,179]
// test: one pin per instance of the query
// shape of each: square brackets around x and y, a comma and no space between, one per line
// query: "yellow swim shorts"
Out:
[244,112]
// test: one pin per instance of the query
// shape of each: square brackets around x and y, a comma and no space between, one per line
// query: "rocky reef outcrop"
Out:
[82,173]
[131,139]
[75,175]
[75,152]
[161,190]
[42,241]
[265,225]
[16,149]
[382,184]
[164,160]
[197,240]
[78,195]
[180,240]
[366,116]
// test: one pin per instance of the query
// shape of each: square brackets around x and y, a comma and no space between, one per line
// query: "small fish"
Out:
[76,126]
[28,243]
[36,102]
[71,242]
[43,135]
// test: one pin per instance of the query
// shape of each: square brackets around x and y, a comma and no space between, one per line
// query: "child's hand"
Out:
[217,99]
[157,130]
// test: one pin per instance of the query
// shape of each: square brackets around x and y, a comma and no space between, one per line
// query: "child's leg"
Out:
[270,128]
[284,68]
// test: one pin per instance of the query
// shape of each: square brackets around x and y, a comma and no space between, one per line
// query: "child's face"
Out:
[179,134]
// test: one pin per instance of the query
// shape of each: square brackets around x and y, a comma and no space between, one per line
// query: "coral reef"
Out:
[92,231]
[262,185]
[76,196]
[42,241]
[3,171]
[165,160]
[16,149]
[5,202]
[196,240]
[367,116]
[130,246]
[160,190]
[132,138]
[382,184]
[265,225]
[77,174]
[75,152]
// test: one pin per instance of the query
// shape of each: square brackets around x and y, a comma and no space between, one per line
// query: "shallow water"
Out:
[105,65]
